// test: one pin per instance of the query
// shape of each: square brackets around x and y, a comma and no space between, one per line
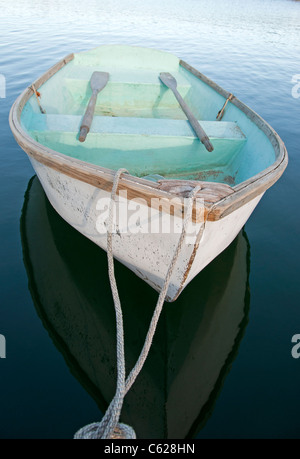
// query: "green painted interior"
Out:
[138,123]
[143,155]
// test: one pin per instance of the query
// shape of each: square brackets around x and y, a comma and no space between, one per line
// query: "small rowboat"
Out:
[172,129]
[194,348]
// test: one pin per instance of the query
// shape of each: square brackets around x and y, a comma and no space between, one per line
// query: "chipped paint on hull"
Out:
[147,254]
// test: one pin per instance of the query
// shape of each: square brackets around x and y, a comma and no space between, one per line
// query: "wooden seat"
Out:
[226,130]
[145,145]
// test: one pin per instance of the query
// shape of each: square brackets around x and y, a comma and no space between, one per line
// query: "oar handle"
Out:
[88,117]
[201,134]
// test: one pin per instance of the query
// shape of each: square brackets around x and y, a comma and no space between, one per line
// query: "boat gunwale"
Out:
[102,178]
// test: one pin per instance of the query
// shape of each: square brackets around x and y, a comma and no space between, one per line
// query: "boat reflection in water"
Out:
[197,337]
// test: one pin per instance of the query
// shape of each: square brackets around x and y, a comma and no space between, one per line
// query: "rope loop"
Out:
[91,432]
[109,426]
[37,95]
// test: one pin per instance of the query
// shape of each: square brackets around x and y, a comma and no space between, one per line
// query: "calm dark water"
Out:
[235,321]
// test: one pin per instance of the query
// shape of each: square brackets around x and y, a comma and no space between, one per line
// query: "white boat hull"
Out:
[138,242]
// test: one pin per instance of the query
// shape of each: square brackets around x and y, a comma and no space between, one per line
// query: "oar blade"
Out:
[99,80]
[168,80]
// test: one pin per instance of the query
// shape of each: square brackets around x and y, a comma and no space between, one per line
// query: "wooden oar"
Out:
[171,83]
[98,82]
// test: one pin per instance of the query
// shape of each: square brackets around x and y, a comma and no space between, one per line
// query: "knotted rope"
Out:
[37,95]
[221,112]
[109,426]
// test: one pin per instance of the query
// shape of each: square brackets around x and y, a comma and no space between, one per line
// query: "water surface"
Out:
[251,49]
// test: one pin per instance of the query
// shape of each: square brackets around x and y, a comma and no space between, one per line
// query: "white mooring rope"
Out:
[109,427]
